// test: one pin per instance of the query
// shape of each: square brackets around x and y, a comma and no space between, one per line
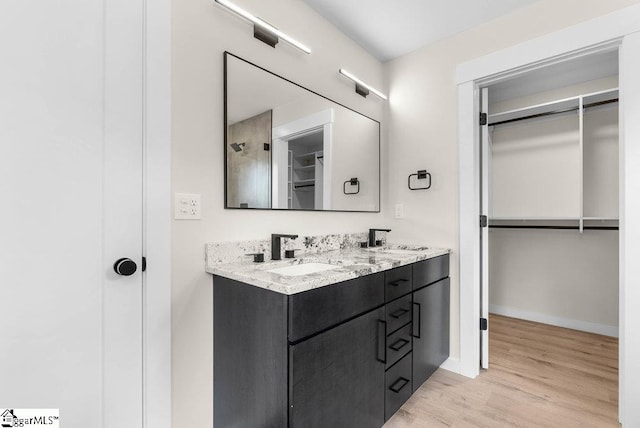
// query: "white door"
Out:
[485,151]
[71,188]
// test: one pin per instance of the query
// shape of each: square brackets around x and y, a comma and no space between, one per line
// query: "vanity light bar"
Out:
[264,26]
[361,87]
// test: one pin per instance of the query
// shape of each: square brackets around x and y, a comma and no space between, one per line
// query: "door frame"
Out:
[281,135]
[157,214]
[620,28]
[485,159]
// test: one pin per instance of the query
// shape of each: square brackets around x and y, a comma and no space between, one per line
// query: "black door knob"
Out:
[125,267]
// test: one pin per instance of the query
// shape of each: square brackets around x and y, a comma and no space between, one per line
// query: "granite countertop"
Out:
[352,263]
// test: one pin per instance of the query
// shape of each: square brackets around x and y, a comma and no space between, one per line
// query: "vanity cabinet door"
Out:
[429,271]
[430,330]
[336,379]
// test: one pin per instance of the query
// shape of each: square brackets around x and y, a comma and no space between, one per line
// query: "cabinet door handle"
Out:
[399,384]
[382,338]
[400,312]
[398,282]
[416,323]
[399,344]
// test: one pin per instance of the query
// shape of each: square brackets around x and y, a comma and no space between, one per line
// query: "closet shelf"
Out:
[572,223]
[537,219]
[554,107]
[600,97]
[305,181]
[307,159]
[305,168]
[533,218]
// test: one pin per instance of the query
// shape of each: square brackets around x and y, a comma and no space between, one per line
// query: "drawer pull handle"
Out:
[400,312]
[399,344]
[417,323]
[382,337]
[399,384]
[398,282]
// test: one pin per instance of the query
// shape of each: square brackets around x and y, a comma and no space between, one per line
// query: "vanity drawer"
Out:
[398,344]
[397,282]
[397,386]
[429,271]
[399,313]
[319,309]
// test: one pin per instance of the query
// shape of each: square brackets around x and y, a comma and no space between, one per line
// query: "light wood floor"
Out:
[539,376]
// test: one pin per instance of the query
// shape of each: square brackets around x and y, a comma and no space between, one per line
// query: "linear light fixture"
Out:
[262,30]
[361,87]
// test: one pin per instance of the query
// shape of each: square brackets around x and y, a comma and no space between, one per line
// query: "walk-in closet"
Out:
[550,192]
[305,169]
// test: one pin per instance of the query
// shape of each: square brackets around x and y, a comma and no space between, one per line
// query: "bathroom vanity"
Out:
[301,345]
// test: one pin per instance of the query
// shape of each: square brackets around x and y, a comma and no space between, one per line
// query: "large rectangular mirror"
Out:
[287,147]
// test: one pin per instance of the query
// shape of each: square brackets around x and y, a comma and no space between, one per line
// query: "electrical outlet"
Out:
[187,206]
[399,211]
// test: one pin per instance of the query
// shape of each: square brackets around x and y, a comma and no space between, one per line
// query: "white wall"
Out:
[201,31]
[560,277]
[535,168]
[421,121]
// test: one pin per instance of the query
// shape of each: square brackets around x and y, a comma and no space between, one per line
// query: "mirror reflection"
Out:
[289,148]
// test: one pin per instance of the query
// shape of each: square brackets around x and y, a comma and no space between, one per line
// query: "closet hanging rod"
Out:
[549,113]
[503,226]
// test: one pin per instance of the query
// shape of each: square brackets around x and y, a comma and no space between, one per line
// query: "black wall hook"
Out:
[354,182]
[421,175]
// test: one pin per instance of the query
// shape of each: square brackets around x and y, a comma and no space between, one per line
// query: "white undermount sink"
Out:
[399,251]
[303,269]
[392,251]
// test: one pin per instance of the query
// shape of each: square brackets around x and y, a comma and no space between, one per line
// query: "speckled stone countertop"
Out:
[352,263]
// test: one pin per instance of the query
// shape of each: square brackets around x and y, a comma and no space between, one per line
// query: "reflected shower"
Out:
[237,147]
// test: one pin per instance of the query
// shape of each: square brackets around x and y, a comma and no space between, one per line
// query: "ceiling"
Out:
[391,28]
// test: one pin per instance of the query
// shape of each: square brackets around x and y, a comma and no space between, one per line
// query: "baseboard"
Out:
[603,329]
[452,364]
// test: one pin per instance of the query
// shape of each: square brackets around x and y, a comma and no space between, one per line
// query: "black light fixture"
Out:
[262,30]
[361,87]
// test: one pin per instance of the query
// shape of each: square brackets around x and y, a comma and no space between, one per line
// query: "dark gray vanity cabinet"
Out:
[431,307]
[347,354]
[417,311]
[312,359]
[249,355]
[336,378]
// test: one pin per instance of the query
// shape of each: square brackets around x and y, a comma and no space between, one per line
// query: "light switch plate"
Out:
[399,211]
[187,206]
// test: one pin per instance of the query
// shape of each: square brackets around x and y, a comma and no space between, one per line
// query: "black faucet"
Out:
[372,235]
[276,254]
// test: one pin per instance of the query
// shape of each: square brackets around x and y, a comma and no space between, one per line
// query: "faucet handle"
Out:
[291,254]
[257,257]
